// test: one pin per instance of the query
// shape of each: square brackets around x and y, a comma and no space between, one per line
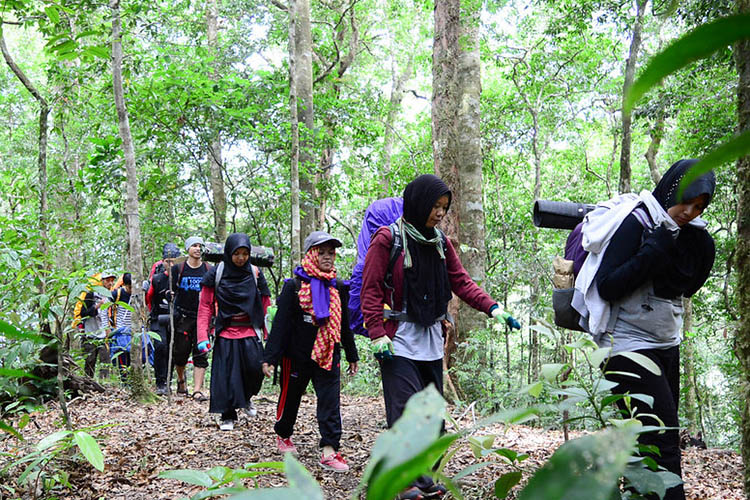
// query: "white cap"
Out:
[192,241]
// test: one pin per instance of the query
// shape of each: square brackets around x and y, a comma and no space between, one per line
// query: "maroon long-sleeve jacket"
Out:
[374,294]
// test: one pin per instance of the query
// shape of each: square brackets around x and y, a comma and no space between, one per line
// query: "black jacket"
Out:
[293,337]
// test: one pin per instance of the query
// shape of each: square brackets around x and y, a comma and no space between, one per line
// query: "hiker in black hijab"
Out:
[644,274]
[238,292]
[428,289]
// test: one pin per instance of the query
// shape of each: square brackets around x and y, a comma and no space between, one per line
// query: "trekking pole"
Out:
[171,339]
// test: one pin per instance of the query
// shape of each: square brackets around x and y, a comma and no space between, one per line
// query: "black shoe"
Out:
[161,389]
[435,491]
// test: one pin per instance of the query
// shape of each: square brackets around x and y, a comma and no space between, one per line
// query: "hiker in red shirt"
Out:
[404,317]
[236,293]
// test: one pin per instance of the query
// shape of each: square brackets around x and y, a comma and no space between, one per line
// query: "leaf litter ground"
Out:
[143,440]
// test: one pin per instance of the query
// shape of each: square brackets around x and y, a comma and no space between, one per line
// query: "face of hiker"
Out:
[438,211]
[684,212]
[195,250]
[240,256]
[326,257]
[108,282]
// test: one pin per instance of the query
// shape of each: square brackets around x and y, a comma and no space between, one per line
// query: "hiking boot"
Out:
[226,425]
[250,410]
[334,462]
[285,445]
[411,493]
[182,387]
[161,389]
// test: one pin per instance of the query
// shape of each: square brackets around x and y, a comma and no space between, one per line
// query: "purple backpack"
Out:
[380,213]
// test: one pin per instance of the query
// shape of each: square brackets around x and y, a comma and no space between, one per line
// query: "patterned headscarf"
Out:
[329,328]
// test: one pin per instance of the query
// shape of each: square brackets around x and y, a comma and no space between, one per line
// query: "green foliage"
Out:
[220,481]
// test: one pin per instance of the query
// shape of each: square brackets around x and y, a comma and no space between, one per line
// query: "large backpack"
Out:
[574,257]
[380,213]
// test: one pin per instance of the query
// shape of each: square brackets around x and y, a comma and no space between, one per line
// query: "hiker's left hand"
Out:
[204,346]
[352,369]
[507,318]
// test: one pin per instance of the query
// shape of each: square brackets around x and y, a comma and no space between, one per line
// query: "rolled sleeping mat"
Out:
[560,214]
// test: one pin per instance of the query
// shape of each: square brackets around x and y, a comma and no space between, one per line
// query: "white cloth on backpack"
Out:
[599,226]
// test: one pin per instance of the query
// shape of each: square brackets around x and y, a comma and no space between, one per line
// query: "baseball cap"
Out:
[108,274]
[318,238]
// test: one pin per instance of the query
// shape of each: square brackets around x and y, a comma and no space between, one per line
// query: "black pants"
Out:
[161,354]
[95,349]
[295,376]
[402,378]
[185,344]
[665,389]
[236,374]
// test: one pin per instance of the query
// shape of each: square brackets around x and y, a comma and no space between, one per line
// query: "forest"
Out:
[127,125]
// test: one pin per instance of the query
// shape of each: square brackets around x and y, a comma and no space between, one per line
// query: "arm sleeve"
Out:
[149,296]
[205,312]
[708,263]
[626,264]
[89,309]
[282,325]
[372,294]
[347,336]
[462,284]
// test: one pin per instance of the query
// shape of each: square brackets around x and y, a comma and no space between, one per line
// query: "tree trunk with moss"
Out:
[742,256]
[214,148]
[139,385]
[457,145]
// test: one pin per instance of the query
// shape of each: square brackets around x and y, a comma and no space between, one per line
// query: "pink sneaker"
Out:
[334,462]
[285,445]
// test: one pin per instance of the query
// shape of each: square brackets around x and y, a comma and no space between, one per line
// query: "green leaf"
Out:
[598,356]
[218,492]
[697,44]
[533,390]
[728,152]
[587,467]
[642,360]
[52,439]
[550,371]
[4,426]
[90,449]
[96,51]
[64,47]
[9,331]
[188,476]
[52,13]
[300,479]
[507,453]
[471,469]
[647,481]
[10,372]
[506,482]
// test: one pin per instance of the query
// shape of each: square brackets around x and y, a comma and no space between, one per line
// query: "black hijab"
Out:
[237,292]
[426,284]
[694,251]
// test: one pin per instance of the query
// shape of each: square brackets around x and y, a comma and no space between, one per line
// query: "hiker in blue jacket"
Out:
[644,275]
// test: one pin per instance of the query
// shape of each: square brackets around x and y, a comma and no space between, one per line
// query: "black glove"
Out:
[659,244]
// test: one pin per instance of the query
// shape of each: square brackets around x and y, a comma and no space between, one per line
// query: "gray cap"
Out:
[192,241]
[108,274]
[318,238]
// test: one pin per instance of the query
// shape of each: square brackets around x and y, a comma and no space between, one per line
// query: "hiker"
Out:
[643,276]
[119,315]
[96,325]
[157,300]
[309,328]
[404,317]
[236,293]
[186,282]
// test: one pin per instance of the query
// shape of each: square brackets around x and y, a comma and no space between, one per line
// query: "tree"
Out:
[132,221]
[456,134]
[214,146]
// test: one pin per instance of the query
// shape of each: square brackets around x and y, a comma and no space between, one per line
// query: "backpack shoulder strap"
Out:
[219,272]
[256,272]
[397,245]
[297,284]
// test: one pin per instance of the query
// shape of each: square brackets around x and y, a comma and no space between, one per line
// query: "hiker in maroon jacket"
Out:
[405,320]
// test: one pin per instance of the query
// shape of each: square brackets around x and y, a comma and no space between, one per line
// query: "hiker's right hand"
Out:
[204,346]
[660,242]
[267,370]
[382,348]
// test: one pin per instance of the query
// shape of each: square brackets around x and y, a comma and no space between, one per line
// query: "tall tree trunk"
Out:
[214,148]
[456,142]
[303,81]
[742,335]
[296,240]
[398,80]
[133,225]
[688,370]
[635,47]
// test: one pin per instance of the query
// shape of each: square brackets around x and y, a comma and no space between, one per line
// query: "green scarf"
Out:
[406,228]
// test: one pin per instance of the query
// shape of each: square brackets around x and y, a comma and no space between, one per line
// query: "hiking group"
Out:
[406,273]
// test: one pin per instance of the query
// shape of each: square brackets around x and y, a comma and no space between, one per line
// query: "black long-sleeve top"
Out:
[292,336]
[630,260]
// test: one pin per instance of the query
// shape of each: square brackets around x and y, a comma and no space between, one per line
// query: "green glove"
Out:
[382,348]
[505,316]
